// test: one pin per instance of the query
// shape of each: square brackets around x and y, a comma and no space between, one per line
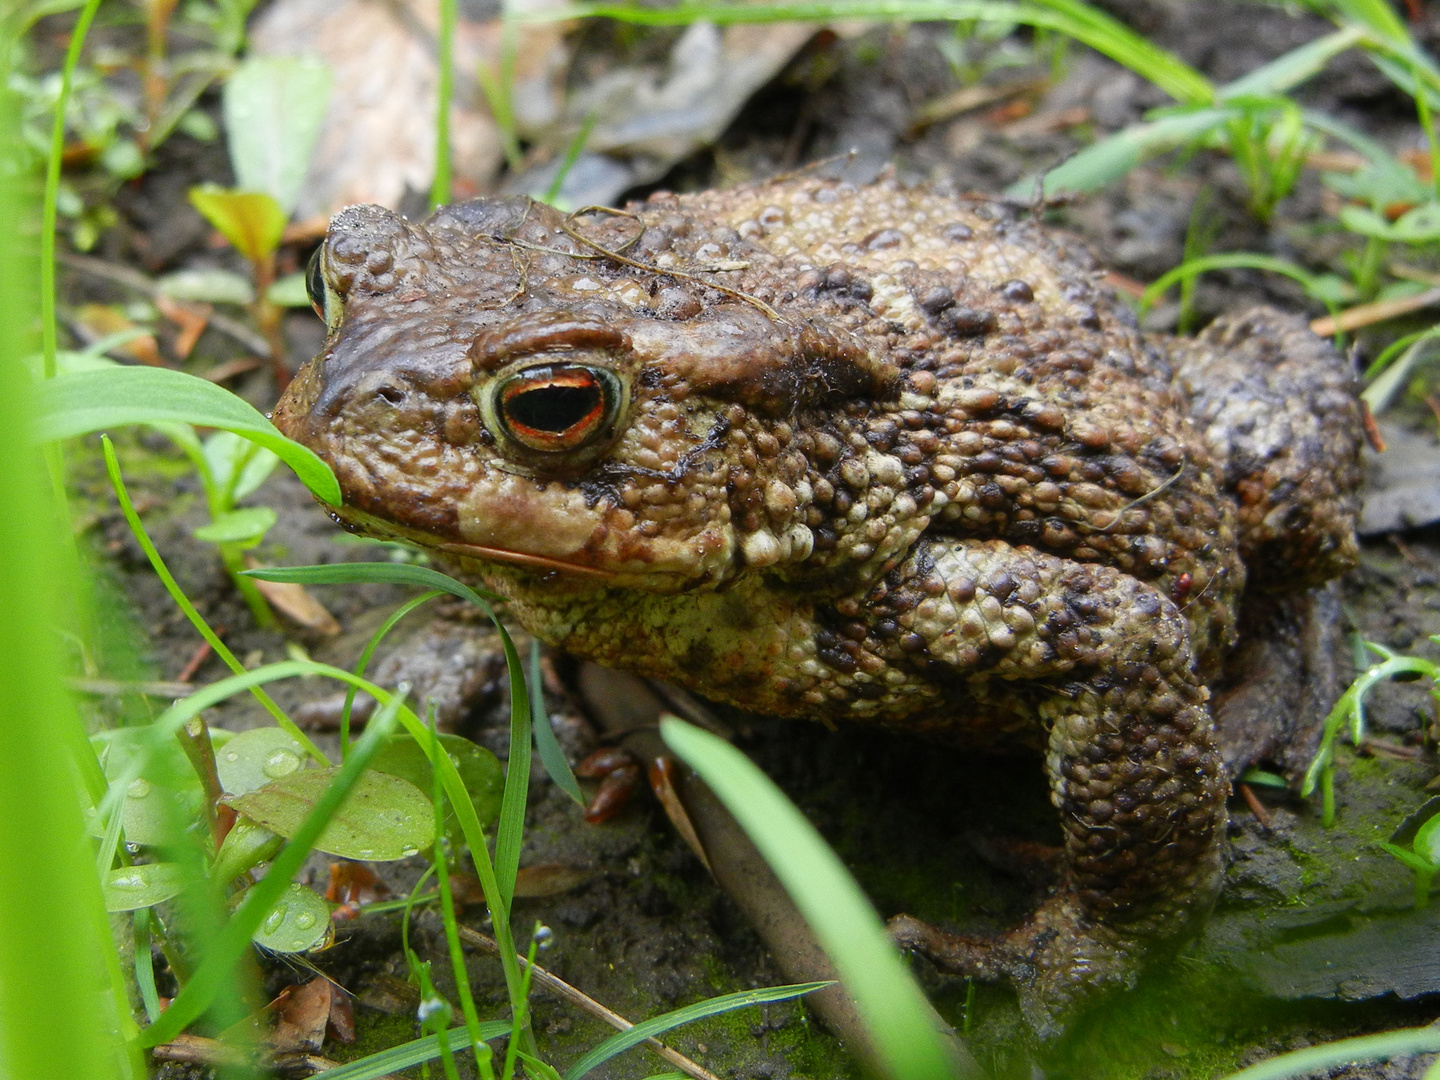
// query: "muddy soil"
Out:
[1315,937]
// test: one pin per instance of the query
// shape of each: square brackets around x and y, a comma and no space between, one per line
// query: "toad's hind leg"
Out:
[1131,755]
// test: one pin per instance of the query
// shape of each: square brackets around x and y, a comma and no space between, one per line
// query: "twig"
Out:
[1256,806]
[133,279]
[1367,314]
[561,988]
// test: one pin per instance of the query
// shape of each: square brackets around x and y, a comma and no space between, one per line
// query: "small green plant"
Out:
[274,107]
[1349,714]
[1421,854]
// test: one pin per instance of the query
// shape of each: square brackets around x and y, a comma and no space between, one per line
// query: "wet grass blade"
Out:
[546,745]
[1312,1059]
[87,401]
[410,1053]
[889,1002]
[385,573]
[624,1040]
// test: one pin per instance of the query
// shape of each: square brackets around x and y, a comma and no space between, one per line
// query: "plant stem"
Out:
[269,317]
[48,333]
[444,95]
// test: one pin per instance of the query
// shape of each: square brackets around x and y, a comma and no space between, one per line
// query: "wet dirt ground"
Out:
[1315,937]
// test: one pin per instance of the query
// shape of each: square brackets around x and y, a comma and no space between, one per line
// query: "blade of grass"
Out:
[49,212]
[407,1054]
[58,963]
[894,1010]
[1229,261]
[624,1040]
[369,651]
[233,939]
[1391,1044]
[546,745]
[447,914]
[1089,26]
[122,494]
[444,95]
[88,401]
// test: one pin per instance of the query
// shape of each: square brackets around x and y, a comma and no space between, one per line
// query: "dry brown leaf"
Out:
[296,603]
[101,320]
[379,135]
[301,1015]
[548,879]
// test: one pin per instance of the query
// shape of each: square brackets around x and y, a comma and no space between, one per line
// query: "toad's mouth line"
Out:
[378,527]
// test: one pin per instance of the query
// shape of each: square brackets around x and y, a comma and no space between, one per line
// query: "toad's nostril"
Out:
[392,394]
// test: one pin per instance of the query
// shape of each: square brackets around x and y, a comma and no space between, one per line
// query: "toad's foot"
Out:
[1057,961]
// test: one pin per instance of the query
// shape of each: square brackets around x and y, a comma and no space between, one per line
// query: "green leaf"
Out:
[252,221]
[245,847]
[479,771]
[257,757]
[624,1040]
[299,922]
[1262,778]
[83,402]
[274,107]
[1366,222]
[1415,862]
[1419,226]
[1427,842]
[238,526]
[210,286]
[238,465]
[289,291]
[127,888]
[384,817]
[889,1002]
[232,941]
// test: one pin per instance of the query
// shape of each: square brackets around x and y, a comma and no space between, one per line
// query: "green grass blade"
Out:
[137,527]
[376,573]
[233,940]
[624,1040]
[1238,260]
[1290,69]
[410,1053]
[444,96]
[1312,1059]
[1087,25]
[63,1010]
[1112,157]
[546,745]
[889,1002]
[49,336]
[364,662]
[87,401]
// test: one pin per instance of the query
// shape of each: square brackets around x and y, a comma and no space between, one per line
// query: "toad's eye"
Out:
[324,299]
[558,407]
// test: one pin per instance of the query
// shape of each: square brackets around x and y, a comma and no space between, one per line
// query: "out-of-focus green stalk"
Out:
[445,96]
[63,1010]
[48,336]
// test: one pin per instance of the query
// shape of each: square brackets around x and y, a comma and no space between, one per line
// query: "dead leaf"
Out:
[296,603]
[354,883]
[548,879]
[301,1013]
[379,135]
[662,782]
[96,321]
[190,319]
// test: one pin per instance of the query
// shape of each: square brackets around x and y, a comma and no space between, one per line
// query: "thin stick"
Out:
[560,988]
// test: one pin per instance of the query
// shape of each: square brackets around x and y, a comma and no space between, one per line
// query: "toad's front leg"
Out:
[1104,660]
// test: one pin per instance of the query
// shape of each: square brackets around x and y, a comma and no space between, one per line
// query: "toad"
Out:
[867,454]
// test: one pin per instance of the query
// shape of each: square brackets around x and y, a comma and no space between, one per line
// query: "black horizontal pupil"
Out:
[555,409]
